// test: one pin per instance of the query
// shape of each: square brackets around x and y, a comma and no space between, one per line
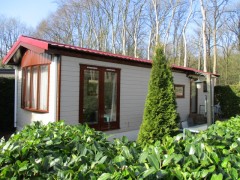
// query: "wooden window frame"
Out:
[100,125]
[24,86]
[183,90]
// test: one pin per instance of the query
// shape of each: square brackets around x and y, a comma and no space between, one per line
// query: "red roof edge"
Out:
[30,43]
[39,46]
[192,70]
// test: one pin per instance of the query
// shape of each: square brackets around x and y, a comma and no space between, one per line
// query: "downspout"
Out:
[54,96]
[15,96]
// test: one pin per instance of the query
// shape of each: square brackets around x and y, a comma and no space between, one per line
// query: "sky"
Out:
[30,12]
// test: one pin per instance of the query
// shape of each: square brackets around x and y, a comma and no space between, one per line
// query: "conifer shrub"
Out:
[160,115]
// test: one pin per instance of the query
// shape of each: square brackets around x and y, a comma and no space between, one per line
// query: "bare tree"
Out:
[204,35]
[10,30]
[184,33]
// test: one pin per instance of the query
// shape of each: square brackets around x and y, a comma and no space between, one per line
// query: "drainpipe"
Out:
[15,96]
[54,88]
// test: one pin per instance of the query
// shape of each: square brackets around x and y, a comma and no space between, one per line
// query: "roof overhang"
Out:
[25,43]
[20,46]
[192,71]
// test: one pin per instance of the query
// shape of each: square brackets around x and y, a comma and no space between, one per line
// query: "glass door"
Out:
[99,97]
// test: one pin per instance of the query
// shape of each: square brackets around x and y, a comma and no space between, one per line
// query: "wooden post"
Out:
[209,100]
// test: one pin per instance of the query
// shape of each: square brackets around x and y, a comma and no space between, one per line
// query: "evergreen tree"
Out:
[160,113]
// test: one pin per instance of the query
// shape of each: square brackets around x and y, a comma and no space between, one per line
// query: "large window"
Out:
[99,97]
[35,88]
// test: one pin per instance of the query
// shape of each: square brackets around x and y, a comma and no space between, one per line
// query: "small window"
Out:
[179,90]
[35,88]
[205,86]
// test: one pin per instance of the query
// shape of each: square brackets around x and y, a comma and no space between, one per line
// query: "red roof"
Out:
[44,45]
[40,46]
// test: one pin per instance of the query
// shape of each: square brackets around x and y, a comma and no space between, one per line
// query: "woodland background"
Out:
[203,34]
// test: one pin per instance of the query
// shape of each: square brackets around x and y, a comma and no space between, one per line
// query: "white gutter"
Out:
[15,96]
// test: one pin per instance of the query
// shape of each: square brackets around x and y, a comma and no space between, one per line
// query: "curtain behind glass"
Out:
[43,88]
[34,86]
[27,88]
[110,96]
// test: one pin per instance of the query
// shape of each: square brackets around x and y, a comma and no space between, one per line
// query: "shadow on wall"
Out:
[229,99]
[6,104]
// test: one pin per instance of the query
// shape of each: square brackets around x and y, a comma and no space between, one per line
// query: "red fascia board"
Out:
[29,43]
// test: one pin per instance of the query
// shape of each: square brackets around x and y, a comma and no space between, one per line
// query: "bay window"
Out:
[35,88]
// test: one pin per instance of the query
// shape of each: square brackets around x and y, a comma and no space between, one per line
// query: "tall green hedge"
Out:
[229,99]
[6,104]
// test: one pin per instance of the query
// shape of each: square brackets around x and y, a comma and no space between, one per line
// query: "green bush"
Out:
[6,104]
[59,151]
[229,99]
[160,113]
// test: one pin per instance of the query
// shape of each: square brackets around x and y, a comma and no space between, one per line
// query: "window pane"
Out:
[23,87]
[27,88]
[90,97]
[193,97]
[110,96]
[34,86]
[43,85]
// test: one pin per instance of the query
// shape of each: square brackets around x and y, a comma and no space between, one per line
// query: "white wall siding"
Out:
[25,117]
[183,104]
[133,91]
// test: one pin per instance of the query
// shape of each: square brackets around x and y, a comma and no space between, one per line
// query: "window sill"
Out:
[35,110]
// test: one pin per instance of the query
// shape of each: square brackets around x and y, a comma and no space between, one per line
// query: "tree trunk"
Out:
[204,35]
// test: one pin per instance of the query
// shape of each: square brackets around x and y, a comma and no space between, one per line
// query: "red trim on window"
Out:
[24,86]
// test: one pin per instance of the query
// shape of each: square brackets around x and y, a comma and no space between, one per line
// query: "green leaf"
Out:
[217,176]
[192,150]
[234,145]
[126,152]
[50,142]
[177,158]
[204,173]
[167,160]
[195,159]
[211,168]
[23,166]
[102,160]
[234,173]
[143,157]
[105,176]
[215,157]
[119,159]
[153,161]
[148,172]
[225,162]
